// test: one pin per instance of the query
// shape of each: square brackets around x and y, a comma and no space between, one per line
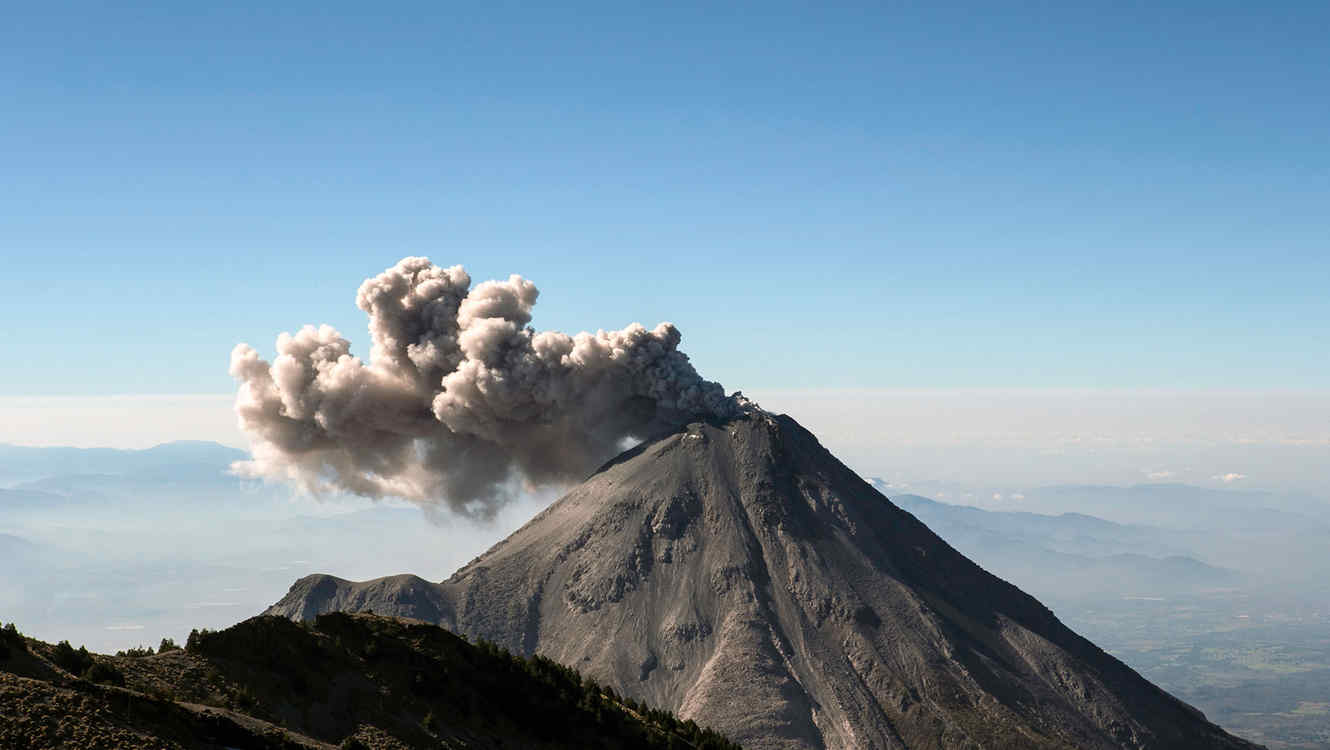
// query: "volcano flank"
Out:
[737,573]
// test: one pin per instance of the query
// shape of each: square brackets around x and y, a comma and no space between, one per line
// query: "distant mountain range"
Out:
[180,476]
[13,546]
[1071,554]
[1184,507]
[21,462]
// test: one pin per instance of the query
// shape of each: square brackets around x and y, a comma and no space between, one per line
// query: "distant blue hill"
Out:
[32,462]
[1068,554]
[166,478]
[12,546]
[1187,507]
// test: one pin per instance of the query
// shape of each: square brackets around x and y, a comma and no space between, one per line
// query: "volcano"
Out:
[737,573]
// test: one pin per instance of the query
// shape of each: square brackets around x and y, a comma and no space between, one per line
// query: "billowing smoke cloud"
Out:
[460,397]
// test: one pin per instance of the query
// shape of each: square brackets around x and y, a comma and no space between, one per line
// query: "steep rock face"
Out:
[739,574]
[399,596]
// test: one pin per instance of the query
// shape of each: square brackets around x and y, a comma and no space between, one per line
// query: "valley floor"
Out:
[1253,664]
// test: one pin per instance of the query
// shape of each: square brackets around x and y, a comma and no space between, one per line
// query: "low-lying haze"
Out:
[984,442]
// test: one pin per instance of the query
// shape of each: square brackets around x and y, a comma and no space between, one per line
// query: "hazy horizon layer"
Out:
[980,446]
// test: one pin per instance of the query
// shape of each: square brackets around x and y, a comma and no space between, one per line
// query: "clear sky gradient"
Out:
[1110,195]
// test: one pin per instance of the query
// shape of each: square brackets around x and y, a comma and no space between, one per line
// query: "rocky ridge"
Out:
[352,682]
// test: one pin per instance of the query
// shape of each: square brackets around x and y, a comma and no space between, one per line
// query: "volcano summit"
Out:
[736,572]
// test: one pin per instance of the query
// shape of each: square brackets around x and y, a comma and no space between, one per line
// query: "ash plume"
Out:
[460,397]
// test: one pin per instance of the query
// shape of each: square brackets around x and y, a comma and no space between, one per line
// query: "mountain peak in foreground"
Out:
[737,573]
[350,681]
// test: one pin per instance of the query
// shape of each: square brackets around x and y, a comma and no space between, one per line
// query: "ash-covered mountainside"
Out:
[739,574]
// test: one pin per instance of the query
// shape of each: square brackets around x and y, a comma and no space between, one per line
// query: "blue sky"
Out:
[881,196]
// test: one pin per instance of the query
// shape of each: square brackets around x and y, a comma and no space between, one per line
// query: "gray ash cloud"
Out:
[461,399]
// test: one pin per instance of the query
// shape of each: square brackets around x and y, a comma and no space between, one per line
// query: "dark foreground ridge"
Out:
[737,573]
[342,681]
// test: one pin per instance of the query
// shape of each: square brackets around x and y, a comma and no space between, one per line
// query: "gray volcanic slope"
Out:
[739,574]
